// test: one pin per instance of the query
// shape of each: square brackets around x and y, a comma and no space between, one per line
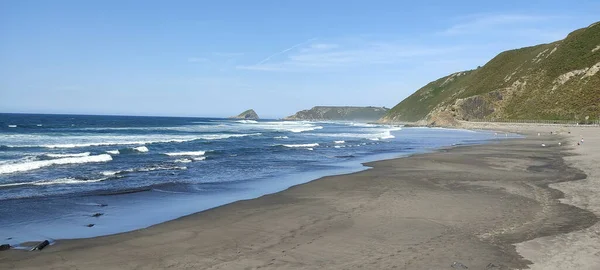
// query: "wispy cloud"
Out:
[284,51]
[323,46]
[197,60]
[479,23]
[228,54]
[307,56]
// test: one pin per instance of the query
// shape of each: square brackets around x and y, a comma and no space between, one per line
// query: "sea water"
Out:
[60,174]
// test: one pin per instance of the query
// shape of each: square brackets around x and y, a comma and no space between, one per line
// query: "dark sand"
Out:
[466,204]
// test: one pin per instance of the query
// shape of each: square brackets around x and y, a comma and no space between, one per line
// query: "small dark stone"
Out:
[90,225]
[41,245]
[97,214]
[491,265]
[4,247]
[103,205]
[9,238]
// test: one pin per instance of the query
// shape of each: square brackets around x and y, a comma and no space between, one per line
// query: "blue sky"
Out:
[218,58]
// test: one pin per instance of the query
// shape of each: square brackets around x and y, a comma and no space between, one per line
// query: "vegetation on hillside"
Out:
[560,80]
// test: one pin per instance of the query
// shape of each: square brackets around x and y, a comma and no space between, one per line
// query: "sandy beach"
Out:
[578,249]
[509,204]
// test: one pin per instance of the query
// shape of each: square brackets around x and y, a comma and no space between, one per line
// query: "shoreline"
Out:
[288,180]
[354,185]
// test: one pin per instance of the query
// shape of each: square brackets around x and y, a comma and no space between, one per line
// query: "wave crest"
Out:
[33,165]
[189,153]
[50,155]
[59,181]
[307,145]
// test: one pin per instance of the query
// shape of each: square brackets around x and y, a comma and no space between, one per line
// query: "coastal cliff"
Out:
[555,81]
[248,115]
[344,113]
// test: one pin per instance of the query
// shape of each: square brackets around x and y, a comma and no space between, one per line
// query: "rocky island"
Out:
[344,113]
[247,115]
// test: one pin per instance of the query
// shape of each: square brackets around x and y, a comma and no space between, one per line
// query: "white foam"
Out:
[66,181]
[12,126]
[339,142]
[157,168]
[226,136]
[199,158]
[52,142]
[110,173]
[78,145]
[39,125]
[141,149]
[113,152]
[33,165]
[190,153]
[301,145]
[338,146]
[310,149]
[183,160]
[281,137]
[303,129]
[60,181]
[85,154]
[363,125]
[295,127]
[247,122]
[143,169]
[374,134]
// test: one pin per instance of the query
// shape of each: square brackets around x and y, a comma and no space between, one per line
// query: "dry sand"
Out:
[467,204]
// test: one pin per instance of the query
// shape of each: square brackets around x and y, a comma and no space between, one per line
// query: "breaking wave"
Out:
[309,145]
[190,153]
[246,122]
[60,181]
[144,169]
[376,134]
[116,140]
[37,164]
[303,129]
[85,154]
[141,149]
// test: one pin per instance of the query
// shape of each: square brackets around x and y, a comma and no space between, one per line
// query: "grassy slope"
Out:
[537,66]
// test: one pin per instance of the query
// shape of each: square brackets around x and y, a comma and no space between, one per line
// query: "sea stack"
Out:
[247,115]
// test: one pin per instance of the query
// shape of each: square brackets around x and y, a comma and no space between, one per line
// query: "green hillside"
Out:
[556,81]
[344,113]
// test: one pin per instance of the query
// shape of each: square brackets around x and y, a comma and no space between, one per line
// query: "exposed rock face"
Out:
[247,115]
[555,81]
[344,113]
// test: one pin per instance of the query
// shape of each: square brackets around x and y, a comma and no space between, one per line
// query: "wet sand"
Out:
[468,204]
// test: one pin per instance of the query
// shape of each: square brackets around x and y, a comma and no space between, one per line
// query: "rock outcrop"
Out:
[247,115]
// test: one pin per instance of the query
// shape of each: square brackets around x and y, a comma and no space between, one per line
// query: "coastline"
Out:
[441,200]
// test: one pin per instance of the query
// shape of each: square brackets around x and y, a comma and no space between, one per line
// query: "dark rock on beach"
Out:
[41,245]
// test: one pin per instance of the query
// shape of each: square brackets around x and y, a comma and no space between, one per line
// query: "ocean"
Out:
[78,176]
